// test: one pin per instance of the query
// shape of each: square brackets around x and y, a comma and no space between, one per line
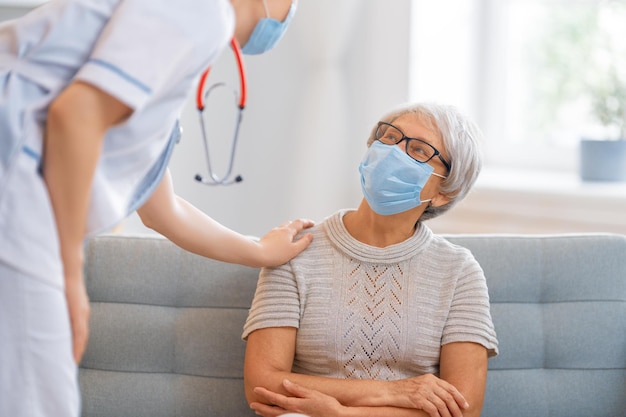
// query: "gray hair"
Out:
[461,140]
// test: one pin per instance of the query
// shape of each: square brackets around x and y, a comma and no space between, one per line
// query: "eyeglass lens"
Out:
[416,148]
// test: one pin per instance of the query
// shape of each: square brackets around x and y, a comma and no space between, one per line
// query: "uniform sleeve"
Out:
[276,302]
[147,45]
[469,319]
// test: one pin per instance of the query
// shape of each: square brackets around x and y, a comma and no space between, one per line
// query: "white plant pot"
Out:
[602,160]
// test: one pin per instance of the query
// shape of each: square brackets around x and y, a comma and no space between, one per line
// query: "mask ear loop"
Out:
[200,101]
[267,10]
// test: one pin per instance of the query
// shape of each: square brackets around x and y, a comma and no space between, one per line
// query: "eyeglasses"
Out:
[417,149]
[201,97]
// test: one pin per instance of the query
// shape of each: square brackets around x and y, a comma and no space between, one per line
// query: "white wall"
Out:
[311,104]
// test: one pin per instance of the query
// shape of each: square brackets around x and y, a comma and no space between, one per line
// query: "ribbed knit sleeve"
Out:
[276,301]
[469,318]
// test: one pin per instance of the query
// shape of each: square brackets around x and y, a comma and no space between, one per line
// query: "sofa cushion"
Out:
[166,327]
[165,331]
[559,308]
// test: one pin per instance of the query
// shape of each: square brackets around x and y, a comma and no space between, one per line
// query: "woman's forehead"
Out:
[418,125]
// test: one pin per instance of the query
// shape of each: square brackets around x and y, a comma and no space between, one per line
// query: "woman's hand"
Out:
[278,245]
[426,392]
[79,311]
[303,400]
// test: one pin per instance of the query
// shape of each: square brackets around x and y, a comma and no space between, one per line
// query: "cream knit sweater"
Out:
[374,313]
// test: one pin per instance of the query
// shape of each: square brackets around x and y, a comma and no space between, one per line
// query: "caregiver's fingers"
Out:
[298,225]
[280,244]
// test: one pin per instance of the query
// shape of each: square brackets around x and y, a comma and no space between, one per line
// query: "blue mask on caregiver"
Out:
[267,32]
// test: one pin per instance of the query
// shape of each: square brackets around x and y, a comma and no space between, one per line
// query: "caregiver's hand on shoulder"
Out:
[303,400]
[428,393]
[278,245]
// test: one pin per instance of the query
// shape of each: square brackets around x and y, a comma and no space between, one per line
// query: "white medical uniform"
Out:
[146,53]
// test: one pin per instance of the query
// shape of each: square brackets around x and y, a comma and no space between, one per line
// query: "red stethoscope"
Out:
[201,97]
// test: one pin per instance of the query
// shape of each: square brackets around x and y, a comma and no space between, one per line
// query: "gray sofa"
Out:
[166,326]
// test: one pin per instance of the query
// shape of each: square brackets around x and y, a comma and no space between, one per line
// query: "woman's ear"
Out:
[439,200]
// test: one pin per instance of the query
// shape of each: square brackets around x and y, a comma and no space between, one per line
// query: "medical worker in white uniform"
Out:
[90,91]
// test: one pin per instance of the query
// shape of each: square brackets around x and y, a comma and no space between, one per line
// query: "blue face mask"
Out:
[267,32]
[391,180]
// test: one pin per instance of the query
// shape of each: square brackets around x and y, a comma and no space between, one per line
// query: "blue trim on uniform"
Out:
[122,74]
[154,176]
[28,151]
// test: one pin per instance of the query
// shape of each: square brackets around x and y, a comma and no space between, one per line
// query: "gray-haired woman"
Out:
[379,316]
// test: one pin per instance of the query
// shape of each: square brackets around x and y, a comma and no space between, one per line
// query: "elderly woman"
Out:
[379,316]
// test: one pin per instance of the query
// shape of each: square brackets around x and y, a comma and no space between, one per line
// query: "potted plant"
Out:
[580,57]
[605,159]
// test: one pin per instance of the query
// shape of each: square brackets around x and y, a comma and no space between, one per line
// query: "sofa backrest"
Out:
[166,327]
[559,308]
[165,331]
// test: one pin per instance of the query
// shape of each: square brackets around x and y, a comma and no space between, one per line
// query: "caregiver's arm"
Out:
[193,230]
[268,362]
[77,121]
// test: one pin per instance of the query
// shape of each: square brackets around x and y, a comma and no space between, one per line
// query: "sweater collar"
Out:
[343,241]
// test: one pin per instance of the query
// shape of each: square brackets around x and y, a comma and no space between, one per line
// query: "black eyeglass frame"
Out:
[406,145]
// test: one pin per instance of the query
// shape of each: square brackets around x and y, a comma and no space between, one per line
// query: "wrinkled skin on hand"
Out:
[304,401]
[430,394]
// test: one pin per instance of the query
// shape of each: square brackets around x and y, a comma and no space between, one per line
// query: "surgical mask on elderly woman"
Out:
[391,180]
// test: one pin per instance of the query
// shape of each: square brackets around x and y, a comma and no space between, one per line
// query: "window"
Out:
[531,72]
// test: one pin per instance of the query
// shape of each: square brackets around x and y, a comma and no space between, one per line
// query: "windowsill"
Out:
[517,201]
[548,183]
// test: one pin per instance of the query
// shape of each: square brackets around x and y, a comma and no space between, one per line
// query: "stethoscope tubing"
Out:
[242,79]
[215,179]
[200,101]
